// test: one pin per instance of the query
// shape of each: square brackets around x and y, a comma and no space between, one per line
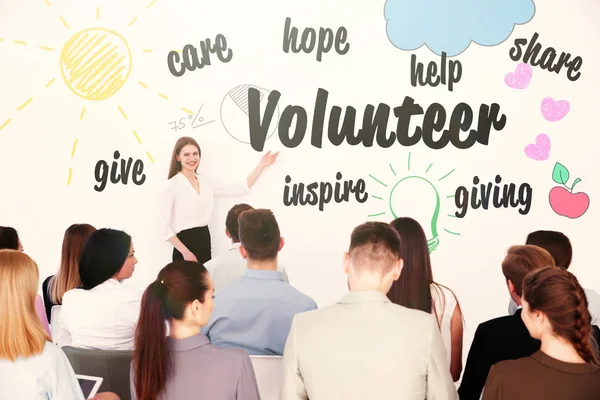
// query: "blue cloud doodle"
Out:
[451,25]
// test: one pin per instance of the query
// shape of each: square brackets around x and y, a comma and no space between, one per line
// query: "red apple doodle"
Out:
[562,199]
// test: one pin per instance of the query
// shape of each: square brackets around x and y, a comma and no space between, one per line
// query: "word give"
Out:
[432,78]
[309,40]
[189,56]
[102,171]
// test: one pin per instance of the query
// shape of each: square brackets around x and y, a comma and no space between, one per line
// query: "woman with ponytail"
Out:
[184,365]
[555,311]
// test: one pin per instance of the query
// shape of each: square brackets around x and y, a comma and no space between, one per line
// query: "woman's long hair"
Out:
[175,166]
[103,256]
[21,332]
[557,293]
[67,277]
[177,285]
[413,288]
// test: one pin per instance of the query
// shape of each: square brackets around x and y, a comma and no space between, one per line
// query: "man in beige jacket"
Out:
[365,347]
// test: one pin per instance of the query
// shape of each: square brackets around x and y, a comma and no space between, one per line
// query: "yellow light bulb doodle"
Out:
[95,63]
[408,198]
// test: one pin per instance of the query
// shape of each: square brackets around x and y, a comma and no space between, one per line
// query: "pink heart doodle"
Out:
[541,149]
[520,78]
[554,110]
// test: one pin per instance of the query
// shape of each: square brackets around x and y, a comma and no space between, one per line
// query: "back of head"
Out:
[177,285]
[412,289]
[556,243]
[259,234]
[558,294]
[9,239]
[231,222]
[21,332]
[103,256]
[374,248]
[521,260]
[67,278]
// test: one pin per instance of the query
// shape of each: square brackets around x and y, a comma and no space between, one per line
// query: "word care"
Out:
[374,123]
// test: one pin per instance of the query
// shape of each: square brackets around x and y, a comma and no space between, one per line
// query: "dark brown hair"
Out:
[558,294]
[9,239]
[175,166]
[231,222]
[67,277]
[259,234]
[521,260]
[413,288]
[556,243]
[374,245]
[177,285]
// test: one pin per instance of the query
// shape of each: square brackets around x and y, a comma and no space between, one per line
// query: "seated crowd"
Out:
[397,334]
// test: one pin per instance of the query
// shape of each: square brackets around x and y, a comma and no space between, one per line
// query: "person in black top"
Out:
[504,338]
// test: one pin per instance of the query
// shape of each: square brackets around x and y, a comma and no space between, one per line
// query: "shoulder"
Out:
[52,352]
[72,294]
[230,357]
[513,368]
[299,298]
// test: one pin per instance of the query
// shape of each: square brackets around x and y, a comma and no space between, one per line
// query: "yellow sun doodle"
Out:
[95,63]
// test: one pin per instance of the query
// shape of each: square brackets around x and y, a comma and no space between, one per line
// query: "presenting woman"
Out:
[190,200]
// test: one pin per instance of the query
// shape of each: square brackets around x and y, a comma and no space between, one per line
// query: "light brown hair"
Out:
[21,332]
[175,166]
[67,277]
[557,293]
[521,260]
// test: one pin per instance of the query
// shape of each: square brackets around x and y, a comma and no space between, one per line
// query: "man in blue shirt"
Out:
[255,312]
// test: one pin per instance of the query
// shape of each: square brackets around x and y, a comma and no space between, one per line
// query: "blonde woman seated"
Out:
[555,311]
[31,366]
[184,365]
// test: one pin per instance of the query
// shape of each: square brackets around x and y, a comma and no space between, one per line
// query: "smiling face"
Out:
[128,267]
[189,157]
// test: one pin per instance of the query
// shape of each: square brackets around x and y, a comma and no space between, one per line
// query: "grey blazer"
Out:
[365,348]
[202,371]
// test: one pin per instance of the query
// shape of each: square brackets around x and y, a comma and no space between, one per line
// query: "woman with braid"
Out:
[555,311]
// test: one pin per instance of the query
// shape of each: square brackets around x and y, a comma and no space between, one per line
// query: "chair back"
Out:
[269,373]
[54,326]
[112,365]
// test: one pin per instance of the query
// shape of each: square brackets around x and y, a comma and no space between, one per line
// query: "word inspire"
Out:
[374,124]
[189,60]
[461,197]
[326,192]
[309,40]
[102,171]
[416,73]
[546,61]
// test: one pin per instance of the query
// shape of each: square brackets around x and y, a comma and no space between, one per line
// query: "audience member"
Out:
[559,245]
[555,311]
[416,289]
[67,277]
[9,240]
[230,267]
[366,347]
[103,313]
[31,366]
[255,312]
[503,338]
[185,365]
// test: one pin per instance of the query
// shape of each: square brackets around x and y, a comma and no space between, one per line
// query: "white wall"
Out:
[36,145]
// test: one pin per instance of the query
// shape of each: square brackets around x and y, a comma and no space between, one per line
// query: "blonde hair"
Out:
[21,332]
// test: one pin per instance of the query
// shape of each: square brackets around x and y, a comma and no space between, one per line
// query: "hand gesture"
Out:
[268,159]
